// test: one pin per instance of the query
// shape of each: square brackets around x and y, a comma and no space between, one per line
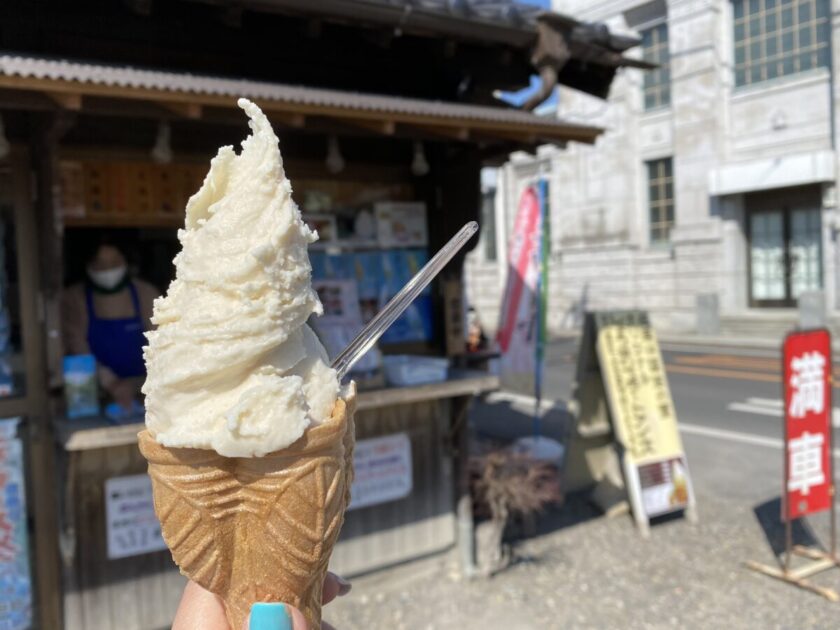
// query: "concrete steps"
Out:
[769,324]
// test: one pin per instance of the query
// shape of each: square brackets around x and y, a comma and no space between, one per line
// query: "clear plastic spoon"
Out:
[371,333]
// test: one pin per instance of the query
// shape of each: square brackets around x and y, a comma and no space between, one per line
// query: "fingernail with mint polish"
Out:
[270,616]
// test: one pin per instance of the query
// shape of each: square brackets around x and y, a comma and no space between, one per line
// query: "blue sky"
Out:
[517,98]
[545,4]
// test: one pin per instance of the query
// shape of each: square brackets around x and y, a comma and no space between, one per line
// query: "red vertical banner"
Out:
[809,481]
[517,334]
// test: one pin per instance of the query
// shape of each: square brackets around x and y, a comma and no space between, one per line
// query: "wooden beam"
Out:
[66,100]
[185,110]
[289,119]
[500,135]
[382,127]
[462,134]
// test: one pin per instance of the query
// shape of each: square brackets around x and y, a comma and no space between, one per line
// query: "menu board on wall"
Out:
[106,192]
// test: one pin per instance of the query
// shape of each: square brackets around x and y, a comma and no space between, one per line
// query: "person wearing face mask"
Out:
[107,316]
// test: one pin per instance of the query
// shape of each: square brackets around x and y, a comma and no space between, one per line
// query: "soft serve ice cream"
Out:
[232,365]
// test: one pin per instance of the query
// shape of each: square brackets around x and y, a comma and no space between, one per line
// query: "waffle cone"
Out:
[257,529]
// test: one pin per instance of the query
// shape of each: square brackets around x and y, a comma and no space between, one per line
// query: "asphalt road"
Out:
[728,405]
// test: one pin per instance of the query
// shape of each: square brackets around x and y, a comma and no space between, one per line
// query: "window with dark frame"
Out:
[774,38]
[657,82]
[660,199]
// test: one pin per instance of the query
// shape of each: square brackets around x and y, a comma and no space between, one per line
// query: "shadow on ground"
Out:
[768,515]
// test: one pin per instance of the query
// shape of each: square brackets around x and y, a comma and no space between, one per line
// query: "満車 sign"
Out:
[382,470]
[132,526]
[807,388]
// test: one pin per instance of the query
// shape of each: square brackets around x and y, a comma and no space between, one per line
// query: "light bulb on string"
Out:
[419,165]
[162,151]
[334,161]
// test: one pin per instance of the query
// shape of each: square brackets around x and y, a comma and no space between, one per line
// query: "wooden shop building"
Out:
[110,114]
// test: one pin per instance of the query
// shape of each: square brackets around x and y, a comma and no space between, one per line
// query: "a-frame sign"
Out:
[625,431]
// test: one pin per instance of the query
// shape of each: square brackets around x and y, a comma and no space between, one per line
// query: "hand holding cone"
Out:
[257,529]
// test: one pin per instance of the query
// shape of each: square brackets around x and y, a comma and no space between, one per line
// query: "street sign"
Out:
[621,365]
[809,484]
[809,475]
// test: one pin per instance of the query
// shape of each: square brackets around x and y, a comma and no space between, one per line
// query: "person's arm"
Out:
[74,330]
[147,294]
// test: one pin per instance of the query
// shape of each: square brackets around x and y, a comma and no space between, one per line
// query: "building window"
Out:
[774,38]
[657,83]
[661,199]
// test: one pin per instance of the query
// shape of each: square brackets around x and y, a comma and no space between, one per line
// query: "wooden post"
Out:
[464,515]
[47,234]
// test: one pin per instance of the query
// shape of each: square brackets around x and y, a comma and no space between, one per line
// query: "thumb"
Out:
[275,616]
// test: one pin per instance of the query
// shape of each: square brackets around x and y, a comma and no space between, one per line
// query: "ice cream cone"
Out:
[257,529]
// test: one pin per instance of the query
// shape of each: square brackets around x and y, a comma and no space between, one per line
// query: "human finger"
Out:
[276,616]
[334,586]
[199,610]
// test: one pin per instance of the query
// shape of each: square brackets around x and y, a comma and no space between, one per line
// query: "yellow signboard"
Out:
[625,414]
[640,402]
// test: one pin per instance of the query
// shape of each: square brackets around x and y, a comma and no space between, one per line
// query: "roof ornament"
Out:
[582,53]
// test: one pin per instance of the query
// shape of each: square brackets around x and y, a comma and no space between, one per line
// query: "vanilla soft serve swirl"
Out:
[232,365]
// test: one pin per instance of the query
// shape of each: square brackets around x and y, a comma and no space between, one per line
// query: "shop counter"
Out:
[411,499]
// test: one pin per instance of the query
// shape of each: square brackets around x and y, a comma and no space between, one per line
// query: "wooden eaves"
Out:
[38,83]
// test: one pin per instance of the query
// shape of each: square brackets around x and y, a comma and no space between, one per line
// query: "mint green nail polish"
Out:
[270,617]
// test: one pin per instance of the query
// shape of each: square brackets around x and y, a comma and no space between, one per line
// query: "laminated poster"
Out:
[80,385]
[15,576]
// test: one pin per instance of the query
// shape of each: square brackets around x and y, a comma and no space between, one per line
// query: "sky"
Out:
[517,98]
[545,4]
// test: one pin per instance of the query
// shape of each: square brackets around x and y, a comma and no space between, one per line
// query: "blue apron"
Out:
[117,343]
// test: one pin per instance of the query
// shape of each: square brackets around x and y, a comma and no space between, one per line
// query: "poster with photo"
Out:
[398,267]
[342,321]
[401,224]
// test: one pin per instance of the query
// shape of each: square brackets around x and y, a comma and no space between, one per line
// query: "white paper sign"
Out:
[133,528]
[401,224]
[382,470]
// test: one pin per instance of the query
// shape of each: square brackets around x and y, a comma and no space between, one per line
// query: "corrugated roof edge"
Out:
[64,70]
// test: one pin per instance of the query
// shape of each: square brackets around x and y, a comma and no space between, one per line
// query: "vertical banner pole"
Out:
[830,431]
[541,302]
[786,475]
[538,307]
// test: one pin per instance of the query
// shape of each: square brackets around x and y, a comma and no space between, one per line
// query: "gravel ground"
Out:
[586,571]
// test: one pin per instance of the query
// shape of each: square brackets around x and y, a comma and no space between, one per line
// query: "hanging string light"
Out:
[162,151]
[334,161]
[419,165]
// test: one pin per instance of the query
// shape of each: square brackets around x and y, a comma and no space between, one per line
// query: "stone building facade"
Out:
[715,179]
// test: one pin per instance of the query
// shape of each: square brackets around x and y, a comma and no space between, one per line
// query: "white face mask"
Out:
[107,278]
